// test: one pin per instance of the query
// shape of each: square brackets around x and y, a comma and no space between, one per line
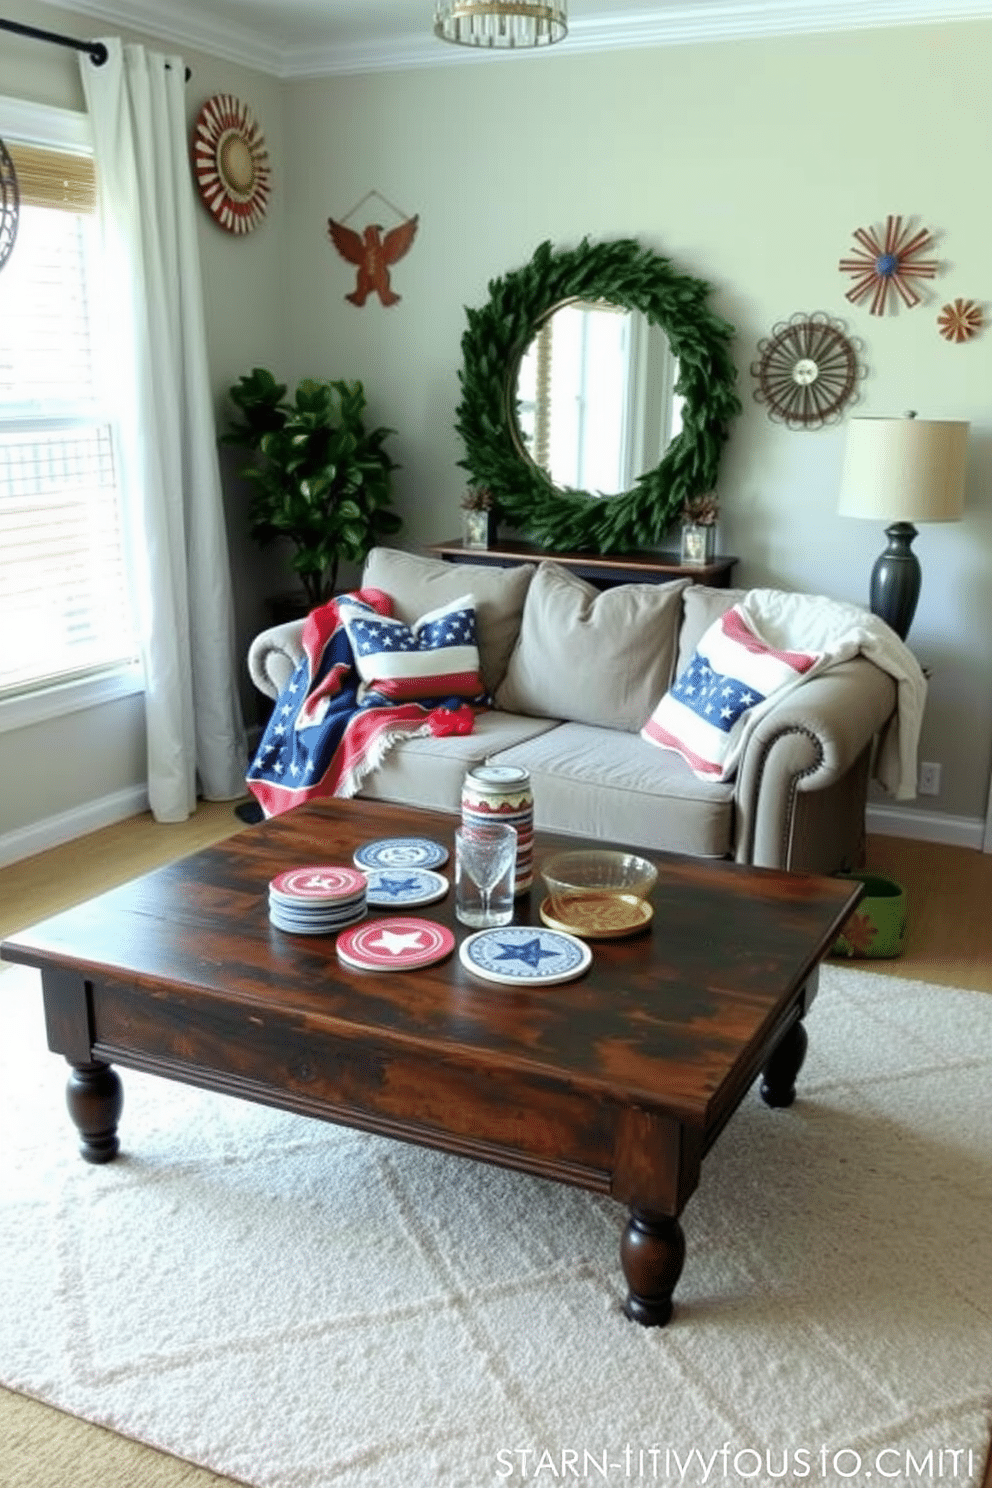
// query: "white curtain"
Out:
[170,473]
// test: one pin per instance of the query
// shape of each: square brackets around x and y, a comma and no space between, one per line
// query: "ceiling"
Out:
[318,38]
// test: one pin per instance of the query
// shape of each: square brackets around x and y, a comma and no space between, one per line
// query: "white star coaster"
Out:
[399,944]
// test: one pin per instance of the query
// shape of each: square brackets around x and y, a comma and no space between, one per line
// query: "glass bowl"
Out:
[574,878]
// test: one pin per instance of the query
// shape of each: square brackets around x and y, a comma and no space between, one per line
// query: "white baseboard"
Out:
[24,842]
[926,826]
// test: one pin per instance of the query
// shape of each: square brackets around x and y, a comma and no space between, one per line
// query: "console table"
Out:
[605,570]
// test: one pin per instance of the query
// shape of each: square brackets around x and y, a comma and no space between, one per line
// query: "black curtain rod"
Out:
[95,50]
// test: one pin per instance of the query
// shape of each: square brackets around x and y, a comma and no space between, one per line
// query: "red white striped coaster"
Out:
[318,885]
[397,944]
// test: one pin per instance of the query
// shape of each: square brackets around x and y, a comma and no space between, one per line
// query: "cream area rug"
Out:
[298,1305]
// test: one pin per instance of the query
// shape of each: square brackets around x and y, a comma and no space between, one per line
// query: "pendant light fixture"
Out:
[500,23]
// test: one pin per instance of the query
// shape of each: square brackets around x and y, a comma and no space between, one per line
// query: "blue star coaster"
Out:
[404,886]
[525,955]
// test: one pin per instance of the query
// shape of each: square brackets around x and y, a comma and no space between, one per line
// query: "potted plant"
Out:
[699,518]
[319,479]
[479,517]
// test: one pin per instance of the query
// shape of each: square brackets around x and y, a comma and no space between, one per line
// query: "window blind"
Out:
[53,178]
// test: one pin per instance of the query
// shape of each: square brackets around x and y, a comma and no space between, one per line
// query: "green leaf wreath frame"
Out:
[624,273]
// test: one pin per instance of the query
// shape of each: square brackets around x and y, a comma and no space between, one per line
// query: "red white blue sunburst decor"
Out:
[231,164]
[887,263]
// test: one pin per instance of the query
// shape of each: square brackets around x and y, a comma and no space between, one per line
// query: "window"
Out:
[65,611]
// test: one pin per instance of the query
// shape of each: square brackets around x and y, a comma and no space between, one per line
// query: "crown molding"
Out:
[184,24]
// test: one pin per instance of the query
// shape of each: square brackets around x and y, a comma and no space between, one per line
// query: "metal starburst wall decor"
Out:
[9,204]
[959,320]
[888,263]
[807,371]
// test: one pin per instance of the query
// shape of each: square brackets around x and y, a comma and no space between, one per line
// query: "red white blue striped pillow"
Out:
[437,657]
[730,680]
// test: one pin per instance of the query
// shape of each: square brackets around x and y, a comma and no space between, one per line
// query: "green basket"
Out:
[877,926]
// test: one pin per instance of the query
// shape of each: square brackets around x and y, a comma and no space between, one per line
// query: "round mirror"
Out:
[594,404]
[492,417]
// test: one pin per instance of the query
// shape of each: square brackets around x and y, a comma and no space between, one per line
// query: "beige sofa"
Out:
[575,673]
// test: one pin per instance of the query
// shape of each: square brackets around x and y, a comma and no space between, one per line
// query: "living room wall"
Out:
[748,163]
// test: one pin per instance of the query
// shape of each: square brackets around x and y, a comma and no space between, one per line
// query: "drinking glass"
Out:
[485,859]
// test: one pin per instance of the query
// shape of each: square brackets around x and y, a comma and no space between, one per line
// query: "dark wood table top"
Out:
[669,1018]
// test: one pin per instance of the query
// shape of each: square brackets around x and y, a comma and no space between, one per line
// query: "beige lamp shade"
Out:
[904,469]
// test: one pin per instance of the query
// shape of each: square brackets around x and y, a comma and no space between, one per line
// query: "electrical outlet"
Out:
[929,781]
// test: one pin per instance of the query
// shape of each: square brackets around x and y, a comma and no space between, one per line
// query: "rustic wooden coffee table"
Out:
[618,1082]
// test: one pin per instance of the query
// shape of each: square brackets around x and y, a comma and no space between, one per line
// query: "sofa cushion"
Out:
[591,657]
[429,772]
[617,788]
[417,585]
[435,657]
[700,607]
[730,678]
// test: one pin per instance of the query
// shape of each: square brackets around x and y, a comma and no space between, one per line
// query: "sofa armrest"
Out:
[818,739]
[273,656]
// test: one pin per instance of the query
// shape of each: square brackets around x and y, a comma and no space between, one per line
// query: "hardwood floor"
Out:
[949,924]
[52,881]
[948,943]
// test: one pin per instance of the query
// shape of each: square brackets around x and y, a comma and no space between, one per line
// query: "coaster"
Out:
[400,944]
[313,925]
[317,914]
[524,955]
[405,889]
[317,885]
[601,916]
[401,852]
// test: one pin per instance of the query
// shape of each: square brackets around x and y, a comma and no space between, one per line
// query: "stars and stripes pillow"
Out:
[730,680]
[437,657]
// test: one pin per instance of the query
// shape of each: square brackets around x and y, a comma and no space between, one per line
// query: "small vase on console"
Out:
[699,518]
[479,518]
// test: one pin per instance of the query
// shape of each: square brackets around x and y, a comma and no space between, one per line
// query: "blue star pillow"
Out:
[730,680]
[437,657]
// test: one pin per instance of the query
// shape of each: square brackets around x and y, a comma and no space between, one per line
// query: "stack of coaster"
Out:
[317,900]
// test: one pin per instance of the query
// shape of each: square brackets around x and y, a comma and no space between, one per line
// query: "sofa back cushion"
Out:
[700,607]
[589,657]
[418,585]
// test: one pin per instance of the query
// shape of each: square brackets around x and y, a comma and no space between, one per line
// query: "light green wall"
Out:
[749,164]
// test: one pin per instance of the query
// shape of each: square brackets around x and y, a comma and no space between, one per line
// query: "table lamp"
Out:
[901,471]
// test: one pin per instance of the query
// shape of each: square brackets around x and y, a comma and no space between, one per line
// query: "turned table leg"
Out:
[778,1085]
[95,1098]
[652,1252]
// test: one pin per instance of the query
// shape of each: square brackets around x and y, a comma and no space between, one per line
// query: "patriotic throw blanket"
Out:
[365,681]
[760,650]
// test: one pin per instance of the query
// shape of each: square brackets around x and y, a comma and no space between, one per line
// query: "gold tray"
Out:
[601,916]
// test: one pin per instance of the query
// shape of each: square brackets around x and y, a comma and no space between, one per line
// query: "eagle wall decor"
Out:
[372,253]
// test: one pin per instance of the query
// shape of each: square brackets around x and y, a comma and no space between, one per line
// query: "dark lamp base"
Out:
[896,579]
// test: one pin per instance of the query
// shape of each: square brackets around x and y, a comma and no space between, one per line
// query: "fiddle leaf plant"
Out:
[319,477]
